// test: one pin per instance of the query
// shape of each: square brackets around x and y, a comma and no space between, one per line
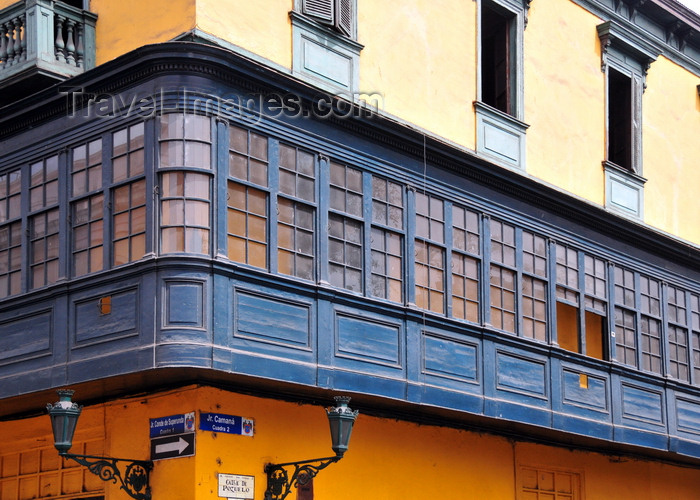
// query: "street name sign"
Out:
[228,424]
[173,424]
[236,487]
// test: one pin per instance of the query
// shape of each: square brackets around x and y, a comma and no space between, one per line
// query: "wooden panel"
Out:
[579,389]
[272,320]
[450,359]
[27,336]
[521,375]
[642,404]
[184,304]
[371,341]
[688,415]
[93,324]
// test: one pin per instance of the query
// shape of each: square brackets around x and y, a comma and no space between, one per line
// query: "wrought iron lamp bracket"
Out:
[279,484]
[134,481]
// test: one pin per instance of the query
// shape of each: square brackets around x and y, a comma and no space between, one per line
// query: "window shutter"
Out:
[345,13]
[636,139]
[321,10]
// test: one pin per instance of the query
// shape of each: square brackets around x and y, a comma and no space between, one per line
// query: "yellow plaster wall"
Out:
[415,461]
[565,98]
[6,3]
[124,25]
[422,56]
[608,476]
[419,55]
[388,459]
[260,27]
[671,128]
[30,466]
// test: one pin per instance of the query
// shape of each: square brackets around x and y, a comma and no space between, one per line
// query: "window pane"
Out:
[129,221]
[296,244]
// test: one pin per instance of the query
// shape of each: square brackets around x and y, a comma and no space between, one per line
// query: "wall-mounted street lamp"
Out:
[341,419]
[64,419]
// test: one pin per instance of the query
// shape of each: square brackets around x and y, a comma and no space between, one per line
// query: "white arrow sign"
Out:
[178,446]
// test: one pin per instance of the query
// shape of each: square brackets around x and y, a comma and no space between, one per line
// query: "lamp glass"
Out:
[64,419]
[341,420]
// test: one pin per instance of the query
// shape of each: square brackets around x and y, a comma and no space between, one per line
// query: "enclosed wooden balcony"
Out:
[43,42]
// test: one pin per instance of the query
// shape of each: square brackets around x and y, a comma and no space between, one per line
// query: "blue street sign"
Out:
[228,424]
[174,424]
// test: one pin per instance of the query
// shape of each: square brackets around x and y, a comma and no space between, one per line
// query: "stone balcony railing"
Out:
[42,42]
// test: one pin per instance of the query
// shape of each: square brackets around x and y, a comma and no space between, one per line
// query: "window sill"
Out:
[500,137]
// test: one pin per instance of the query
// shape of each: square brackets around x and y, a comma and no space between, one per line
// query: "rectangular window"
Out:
[568,299]
[44,244]
[345,228]
[10,234]
[595,306]
[465,264]
[387,240]
[625,317]
[88,234]
[86,171]
[500,129]
[650,297]
[625,63]
[497,57]
[545,484]
[534,286]
[185,141]
[430,253]
[43,184]
[695,334]
[295,239]
[128,152]
[296,213]
[185,200]
[678,362]
[10,259]
[247,156]
[10,192]
[43,237]
[582,308]
[247,203]
[87,212]
[247,225]
[620,119]
[129,222]
[128,195]
[503,276]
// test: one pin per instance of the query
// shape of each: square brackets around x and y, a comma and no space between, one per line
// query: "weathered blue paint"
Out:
[450,359]
[184,304]
[289,327]
[92,326]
